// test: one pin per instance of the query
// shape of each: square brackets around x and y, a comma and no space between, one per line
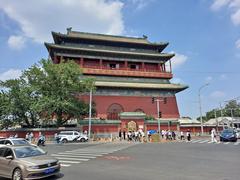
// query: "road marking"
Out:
[236,143]
[68,155]
[71,162]
[65,165]
[87,152]
[210,142]
[204,141]
[226,143]
[195,141]
[74,159]
[72,153]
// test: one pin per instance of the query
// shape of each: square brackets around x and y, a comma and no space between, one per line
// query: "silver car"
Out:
[15,141]
[26,162]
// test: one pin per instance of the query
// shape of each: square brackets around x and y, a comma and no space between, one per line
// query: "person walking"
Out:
[213,135]
[188,135]
[120,135]
[181,135]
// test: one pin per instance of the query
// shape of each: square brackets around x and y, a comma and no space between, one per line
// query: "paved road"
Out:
[195,160]
[154,161]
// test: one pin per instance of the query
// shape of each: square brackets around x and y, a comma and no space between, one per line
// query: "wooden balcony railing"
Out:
[94,70]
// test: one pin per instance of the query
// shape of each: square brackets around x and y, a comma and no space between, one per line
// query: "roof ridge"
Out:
[108,35]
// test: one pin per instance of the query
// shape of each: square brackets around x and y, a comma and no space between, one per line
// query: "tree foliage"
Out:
[232,108]
[46,91]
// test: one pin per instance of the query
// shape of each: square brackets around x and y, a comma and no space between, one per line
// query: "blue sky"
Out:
[204,35]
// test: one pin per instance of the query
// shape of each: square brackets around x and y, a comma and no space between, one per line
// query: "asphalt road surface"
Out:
[198,160]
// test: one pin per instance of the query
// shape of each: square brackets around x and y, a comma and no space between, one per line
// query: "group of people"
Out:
[168,135]
[40,140]
[136,136]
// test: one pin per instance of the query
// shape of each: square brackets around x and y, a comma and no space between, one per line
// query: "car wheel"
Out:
[82,140]
[64,140]
[17,174]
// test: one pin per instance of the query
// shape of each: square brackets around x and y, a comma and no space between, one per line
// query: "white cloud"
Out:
[233,5]
[217,94]
[178,60]
[236,17]
[10,74]
[16,42]
[209,79]
[140,4]
[223,77]
[218,4]
[37,19]
[238,44]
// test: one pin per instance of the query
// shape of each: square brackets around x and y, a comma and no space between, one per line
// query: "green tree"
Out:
[59,86]
[18,104]
[45,91]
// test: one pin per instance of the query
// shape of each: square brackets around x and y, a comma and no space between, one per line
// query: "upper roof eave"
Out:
[103,37]
[50,45]
[176,87]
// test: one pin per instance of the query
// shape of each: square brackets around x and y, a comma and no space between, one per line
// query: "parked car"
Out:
[72,136]
[228,135]
[26,162]
[15,141]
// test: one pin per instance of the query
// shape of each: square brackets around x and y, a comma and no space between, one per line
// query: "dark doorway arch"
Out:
[114,110]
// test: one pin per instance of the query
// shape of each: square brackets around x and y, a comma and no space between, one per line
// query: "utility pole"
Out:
[159,113]
[200,106]
[90,115]
[158,110]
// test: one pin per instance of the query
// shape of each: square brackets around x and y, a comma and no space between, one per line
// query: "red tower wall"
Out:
[131,103]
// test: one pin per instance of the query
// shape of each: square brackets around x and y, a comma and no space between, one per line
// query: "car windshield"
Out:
[20,142]
[28,151]
[65,133]
[227,131]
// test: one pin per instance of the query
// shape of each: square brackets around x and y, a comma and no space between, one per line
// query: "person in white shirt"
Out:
[213,135]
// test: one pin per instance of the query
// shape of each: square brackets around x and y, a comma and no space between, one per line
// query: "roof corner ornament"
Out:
[69,29]
[144,36]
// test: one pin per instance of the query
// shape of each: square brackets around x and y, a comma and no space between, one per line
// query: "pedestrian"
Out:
[27,136]
[56,138]
[188,135]
[124,135]
[181,135]
[120,135]
[173,135]
[213,135]
[31,137]
[16,135]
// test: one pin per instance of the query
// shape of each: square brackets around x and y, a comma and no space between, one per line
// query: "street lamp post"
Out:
[200,106]
[90,114]
[158,117]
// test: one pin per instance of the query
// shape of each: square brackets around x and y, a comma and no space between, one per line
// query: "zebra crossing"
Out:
[207,141]
[78,156]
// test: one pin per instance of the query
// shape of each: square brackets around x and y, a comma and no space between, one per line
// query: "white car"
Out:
[15,141]
[71,136]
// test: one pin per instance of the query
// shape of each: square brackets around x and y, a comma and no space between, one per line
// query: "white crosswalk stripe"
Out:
[65,165]
[208,141]
[204,141]
[195,141]
[78,156]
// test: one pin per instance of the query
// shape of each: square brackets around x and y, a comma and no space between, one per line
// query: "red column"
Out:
[55,60]
[81,62]
[100,63]
[159,66]
[125,64]
[143,66]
